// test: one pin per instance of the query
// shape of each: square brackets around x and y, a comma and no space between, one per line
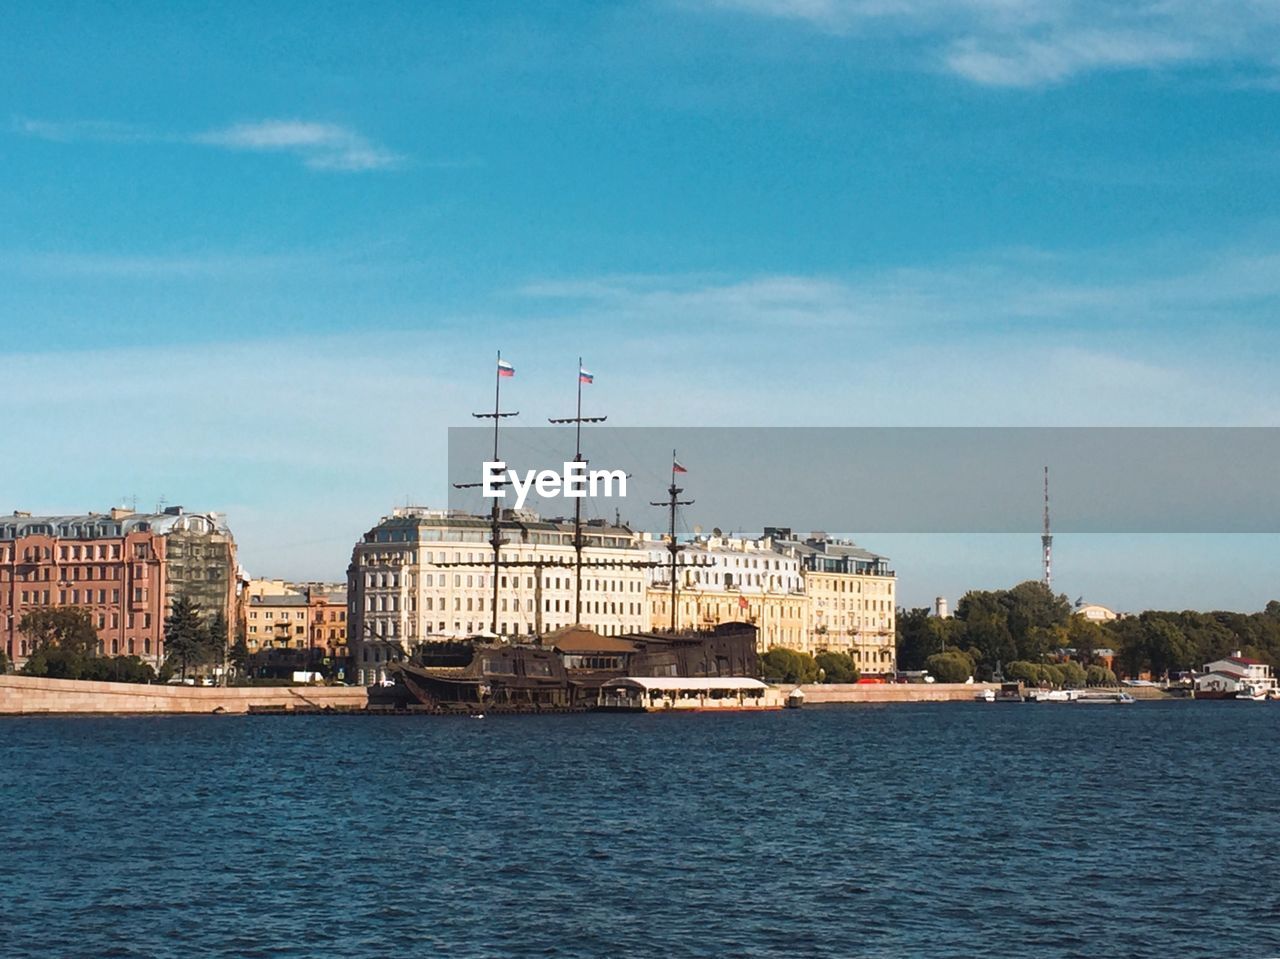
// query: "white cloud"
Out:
[320,146]
[1019,43]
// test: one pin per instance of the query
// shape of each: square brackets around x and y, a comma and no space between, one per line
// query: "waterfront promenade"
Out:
[30,695]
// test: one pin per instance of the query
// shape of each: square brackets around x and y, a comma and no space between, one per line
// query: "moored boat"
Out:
[1009,693]
[1104,699]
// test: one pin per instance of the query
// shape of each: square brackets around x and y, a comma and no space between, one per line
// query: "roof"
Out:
[278,599]
[109,526]
[1245,661]
[583,639]
[679,683]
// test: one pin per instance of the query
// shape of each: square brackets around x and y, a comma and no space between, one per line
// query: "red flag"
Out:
[677,468]
[742,602]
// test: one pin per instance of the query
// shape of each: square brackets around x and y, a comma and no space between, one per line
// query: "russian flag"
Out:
[585,377]
[677,468]
[505,368]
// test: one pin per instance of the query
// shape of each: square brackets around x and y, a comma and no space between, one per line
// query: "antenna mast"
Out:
[673,491]
[1046,539]
[578,420]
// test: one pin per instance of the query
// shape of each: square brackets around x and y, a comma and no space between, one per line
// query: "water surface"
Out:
[903,830]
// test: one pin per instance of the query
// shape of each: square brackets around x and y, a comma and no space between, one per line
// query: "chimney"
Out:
[120,512]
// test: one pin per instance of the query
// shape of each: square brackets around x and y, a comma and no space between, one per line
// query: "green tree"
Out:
[952,666]
[1022,671]
[1100,676]
[240,654]
[218,639]
[1085,636]
[837,667]
[1073,674]
[68,628]
[788,666]
[118,669]
[186,639]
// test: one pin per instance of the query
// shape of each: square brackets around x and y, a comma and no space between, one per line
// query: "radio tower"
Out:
[1046,539]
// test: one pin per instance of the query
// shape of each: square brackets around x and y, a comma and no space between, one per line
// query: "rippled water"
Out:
[943,830]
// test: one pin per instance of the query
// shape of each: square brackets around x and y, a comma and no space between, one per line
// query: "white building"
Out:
[1235,675]
[423,575]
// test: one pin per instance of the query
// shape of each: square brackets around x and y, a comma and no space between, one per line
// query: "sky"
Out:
[258,258]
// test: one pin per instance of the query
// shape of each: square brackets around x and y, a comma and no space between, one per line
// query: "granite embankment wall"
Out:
[29,695]
[893,692]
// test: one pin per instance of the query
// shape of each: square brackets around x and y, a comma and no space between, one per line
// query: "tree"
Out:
[1022,671]
[1085,636]
[952,666]
[1100,676]
[186,638]
[788,665]
[4,662]
[921,634]
[1073,674]
[68,628]
[240,654]
[218,636]
[837,667]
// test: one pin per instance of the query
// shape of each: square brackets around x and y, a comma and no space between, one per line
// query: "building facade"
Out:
[731,579]
[422,575]
[852,600]
[125,568]
[296,616]
[813,595]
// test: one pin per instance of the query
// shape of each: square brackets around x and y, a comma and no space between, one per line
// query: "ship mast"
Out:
[673,501]
[495,513]
[578,420]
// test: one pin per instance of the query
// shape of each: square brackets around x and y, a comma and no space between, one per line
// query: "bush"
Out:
[1073,675]
[837,667]
[952,666]
[55,663]
[788,666]
[1021,671]
[1100,676]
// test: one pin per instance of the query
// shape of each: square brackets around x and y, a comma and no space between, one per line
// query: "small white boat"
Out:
[1251,694]
[1053,695]
[1105,699]
[985,696]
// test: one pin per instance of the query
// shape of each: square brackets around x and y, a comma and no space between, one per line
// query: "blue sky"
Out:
[257,257]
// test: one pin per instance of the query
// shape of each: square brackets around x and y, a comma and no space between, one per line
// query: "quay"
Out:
[35,696]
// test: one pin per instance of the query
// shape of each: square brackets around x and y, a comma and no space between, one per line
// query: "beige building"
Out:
[423,575]
[811,595]
[280,615]
[852,600]
[731,579]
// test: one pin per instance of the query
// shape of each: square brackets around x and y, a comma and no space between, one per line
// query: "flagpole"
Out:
[577,511]
[578,543]
[496,518]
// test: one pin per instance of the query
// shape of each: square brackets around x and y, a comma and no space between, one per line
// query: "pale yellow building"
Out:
[852,600]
